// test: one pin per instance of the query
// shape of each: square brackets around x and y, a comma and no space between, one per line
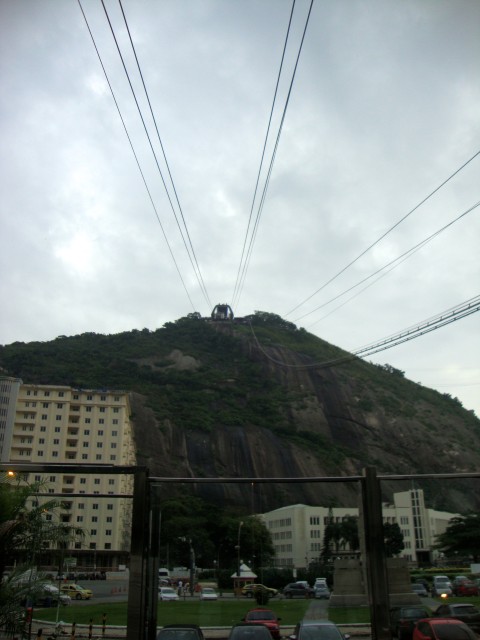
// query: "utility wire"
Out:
[135,155]
[197,266]
[463,310]
[385,234]
[151,147]
[267,181]
[235,291]
[408,253]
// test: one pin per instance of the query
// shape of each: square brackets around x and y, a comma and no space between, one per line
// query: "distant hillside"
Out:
[212,399]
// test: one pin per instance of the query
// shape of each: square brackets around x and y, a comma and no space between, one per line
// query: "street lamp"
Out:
[240,525]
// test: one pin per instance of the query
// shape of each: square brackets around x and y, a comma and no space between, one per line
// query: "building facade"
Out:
[298,531]
[60,424]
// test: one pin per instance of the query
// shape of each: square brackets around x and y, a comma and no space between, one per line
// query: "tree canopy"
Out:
[462,536]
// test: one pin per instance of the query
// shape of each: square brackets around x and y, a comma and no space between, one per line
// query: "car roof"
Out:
[442,621]
[317,623]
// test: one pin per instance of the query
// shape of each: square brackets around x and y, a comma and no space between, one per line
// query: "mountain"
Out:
[259,397]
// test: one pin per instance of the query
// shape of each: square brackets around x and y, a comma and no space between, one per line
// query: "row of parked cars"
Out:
[258,624]
[405,621]
[299,589]
[443,586]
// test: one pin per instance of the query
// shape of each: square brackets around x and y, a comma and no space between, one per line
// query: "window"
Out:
[88,409]
[103,398]
[41,441]
[87,420]
[109,519]
[112,458]
[83,481]
[46,393]
[116,410]
[116,398]
[40,454]
[52,478]
[79,518]
[110,507]
[85,445]
[102,409]
[95,505]
[108,532]
[81,505]
[54,454]
[43,428]
[61,394]
[99,445]
[113,445]
[45,405]
[108,545]
[100,432]
[101,421]
[38,478]
[86,432]
[93,545]
[93,532]
[58,417]
[75,396]
[57,429]
[96,481]
[94,518]
[90,397]
[84,456]
[98,456]
[111,481]
[59,405]
[115,421]
[44,416]
[56,441]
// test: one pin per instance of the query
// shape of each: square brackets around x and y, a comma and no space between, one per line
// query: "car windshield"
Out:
[319,632]
[261,615]
[177,634]
[453,632]
[250,632]
[414,613]
[458,609]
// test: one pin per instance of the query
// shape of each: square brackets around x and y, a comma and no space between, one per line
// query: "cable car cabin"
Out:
[222,312]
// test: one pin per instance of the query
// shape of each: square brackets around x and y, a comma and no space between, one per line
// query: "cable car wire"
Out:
[407,253]
[196,266]
[152,149]
[267,180]
[462,310]
[135,155]
[235,290]
[442,184]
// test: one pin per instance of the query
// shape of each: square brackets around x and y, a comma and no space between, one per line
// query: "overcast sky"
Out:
[384,107]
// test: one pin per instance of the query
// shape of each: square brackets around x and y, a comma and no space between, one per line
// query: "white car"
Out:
[167,593]
[54,593]
[208,593]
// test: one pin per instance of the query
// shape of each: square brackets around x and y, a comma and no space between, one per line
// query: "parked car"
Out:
[76,592]
[419,589]
[250,590]
[266,617]
[249,631]
[403,619]
[442,589]
[321,591]
[467,613]
[465,588]
[317,630]
[442,628]
[208,593]
[180,632]
[53,593]
[167,593]
[298,590]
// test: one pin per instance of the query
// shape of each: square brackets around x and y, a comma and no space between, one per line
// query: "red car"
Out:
[266,617]
[442,629]
[465,588]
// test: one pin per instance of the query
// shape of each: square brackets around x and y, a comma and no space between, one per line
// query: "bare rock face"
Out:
[334,423]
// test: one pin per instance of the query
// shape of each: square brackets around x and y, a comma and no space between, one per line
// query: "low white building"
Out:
[298,530]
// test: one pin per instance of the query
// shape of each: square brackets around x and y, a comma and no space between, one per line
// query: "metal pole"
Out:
[375,556]
[137,597]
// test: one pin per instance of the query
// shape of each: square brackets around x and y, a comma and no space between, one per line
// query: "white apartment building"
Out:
[298,530]
[61,424]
